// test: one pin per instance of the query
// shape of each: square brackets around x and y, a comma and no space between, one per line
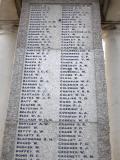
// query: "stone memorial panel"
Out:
[57,108]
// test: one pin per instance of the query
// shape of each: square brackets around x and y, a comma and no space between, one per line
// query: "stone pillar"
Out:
[112,59]
[57,107]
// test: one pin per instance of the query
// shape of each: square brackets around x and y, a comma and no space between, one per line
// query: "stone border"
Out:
[101,95]
[12,113]
[104,149]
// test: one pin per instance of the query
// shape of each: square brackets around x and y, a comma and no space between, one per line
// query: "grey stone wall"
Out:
[97,130]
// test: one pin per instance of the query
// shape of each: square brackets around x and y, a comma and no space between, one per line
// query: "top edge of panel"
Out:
[61,1]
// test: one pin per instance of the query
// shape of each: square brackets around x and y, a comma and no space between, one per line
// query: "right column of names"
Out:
[77,112]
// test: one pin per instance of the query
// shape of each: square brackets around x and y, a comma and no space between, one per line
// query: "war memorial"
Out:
[58,104]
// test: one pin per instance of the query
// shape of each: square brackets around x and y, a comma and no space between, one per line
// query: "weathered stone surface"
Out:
[58,107]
